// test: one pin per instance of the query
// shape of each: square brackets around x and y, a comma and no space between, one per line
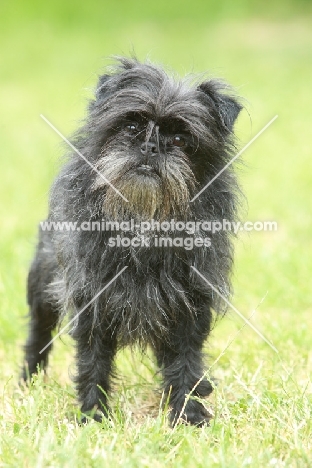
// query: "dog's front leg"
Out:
[96,349]
[181,361]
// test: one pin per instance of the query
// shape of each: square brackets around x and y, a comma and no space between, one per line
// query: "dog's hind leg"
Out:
[43,310]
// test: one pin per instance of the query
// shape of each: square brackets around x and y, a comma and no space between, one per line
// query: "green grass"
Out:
[51,55]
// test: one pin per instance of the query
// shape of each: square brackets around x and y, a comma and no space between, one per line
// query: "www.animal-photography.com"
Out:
[155,234]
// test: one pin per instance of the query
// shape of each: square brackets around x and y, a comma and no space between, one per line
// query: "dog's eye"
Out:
[132,127]
[178,141]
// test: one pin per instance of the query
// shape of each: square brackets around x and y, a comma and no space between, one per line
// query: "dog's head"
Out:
[156,140]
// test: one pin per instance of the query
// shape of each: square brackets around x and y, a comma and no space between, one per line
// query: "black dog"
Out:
[149,145]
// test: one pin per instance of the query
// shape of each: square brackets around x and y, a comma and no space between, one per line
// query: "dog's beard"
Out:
[160,192]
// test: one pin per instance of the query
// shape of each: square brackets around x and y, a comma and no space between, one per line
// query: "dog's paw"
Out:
[197,418]
[95,414]
[194,414]
[27,379]
[88,416]
[85,419]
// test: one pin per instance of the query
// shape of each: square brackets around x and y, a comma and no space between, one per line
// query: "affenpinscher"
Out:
[150,143]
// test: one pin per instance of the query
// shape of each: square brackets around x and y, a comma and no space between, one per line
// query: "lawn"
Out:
[51,55]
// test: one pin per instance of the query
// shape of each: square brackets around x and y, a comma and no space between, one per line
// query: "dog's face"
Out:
[156,140]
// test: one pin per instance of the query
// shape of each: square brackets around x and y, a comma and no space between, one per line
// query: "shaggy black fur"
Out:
[158,141]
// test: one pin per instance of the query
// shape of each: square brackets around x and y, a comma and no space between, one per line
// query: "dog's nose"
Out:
[149,148]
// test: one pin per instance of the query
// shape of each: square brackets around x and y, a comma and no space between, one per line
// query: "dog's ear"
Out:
[227,106]
[102,88]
